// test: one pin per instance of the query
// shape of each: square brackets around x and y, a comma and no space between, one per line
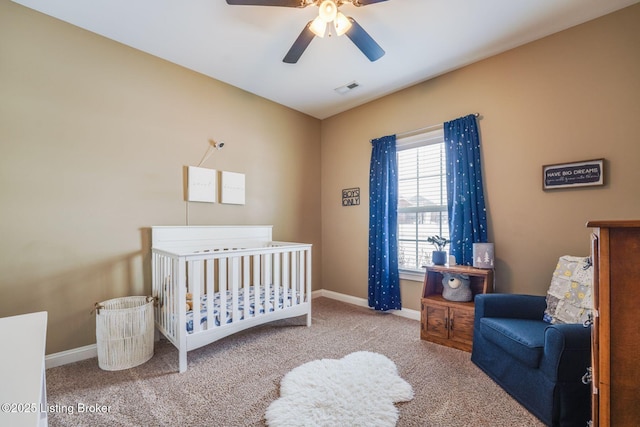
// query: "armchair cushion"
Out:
[521,338]
[514,306]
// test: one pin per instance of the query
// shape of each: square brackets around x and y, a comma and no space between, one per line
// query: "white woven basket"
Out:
[124,332]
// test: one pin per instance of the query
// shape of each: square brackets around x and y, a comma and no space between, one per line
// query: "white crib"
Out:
[239,276]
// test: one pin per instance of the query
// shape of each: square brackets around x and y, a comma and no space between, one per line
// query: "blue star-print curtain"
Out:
[384,281]
[465,194]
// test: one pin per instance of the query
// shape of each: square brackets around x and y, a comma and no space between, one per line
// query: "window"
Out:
[422,197]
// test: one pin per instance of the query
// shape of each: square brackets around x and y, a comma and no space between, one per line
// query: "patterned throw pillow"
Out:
[569,298]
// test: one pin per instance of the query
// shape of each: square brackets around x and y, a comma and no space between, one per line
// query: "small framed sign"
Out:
[351,196]
[577,174]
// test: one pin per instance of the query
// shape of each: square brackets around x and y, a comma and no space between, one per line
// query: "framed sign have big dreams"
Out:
[576,174]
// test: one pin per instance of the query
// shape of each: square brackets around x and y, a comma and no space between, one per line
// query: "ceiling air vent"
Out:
[346,88]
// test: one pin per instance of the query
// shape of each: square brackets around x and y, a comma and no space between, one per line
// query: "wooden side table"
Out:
[447,322]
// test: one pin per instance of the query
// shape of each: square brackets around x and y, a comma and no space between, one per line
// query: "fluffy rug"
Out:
[358,390]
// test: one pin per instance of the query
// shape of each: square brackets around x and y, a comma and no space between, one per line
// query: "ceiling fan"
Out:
[328,13]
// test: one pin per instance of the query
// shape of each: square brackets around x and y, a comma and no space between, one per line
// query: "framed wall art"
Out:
[584,173]
[232,186]
[351,196]
[201,184]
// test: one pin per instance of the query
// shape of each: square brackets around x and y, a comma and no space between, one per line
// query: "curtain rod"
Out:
[424,129]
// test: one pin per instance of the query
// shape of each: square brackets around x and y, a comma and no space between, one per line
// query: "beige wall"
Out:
[93,139]
[572,96]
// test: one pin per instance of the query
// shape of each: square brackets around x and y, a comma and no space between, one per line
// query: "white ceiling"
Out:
[244,45]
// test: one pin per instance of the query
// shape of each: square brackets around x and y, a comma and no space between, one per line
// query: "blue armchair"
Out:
[539,364]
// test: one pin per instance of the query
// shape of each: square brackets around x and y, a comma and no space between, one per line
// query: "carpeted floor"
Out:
[232,382]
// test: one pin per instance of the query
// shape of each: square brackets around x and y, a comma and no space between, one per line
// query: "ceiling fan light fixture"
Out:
[327,10]
[328,13]
[342,24]
[318,27]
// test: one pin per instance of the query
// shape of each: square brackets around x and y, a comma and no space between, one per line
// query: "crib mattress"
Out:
[264,305]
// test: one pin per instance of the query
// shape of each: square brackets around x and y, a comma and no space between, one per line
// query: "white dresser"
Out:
[23,394]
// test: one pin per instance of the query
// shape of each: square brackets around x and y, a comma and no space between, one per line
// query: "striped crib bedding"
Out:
[264,305]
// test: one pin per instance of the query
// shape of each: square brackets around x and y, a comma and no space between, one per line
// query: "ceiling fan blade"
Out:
[367,2]
[283,3]
[363,40]
[299,46]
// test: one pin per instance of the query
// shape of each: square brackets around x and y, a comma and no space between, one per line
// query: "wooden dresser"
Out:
[446,322]
[616,328]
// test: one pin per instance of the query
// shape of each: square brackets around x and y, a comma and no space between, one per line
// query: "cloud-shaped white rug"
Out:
[358,390]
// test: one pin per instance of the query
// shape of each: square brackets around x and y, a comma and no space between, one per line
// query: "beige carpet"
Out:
[232,382]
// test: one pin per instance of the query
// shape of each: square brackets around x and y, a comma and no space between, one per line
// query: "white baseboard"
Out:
[405,312]
[70,356]
[91,351]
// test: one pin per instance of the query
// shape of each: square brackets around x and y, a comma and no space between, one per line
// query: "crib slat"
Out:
[307,283]
[276,281]
[285,277]
[162,285]
[171,296]
[159,286]
[195,278]
[210,286]
[246,266]
[177,306]
[168,278]
[234,274]
[295,286]
[154,283]
[222,289]
[267,281]
[155,270]
[256,284]
[302,275]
